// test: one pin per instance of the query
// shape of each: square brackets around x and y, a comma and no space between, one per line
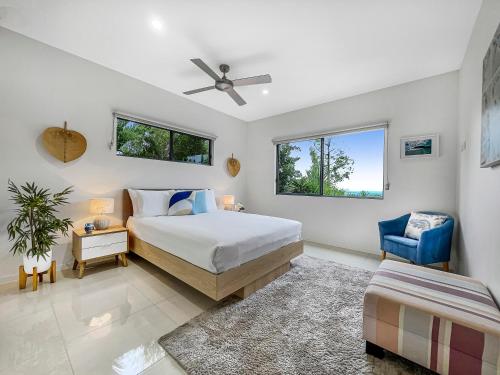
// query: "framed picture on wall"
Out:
[423,146]
[490,122]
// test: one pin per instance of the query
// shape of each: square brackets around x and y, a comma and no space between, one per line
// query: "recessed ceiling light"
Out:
[157,24]
[265,92]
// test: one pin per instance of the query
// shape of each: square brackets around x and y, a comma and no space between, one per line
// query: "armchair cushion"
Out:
[401,246]
[402,240]
[420,222]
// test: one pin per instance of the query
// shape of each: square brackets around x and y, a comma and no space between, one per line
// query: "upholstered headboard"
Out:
[127,202]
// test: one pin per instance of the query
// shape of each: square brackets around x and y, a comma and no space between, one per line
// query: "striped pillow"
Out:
[181,203]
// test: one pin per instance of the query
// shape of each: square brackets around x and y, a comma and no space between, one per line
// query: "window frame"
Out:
[279,141]
[171,129]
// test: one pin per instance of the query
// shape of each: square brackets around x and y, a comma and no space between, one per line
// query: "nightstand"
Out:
[99,244]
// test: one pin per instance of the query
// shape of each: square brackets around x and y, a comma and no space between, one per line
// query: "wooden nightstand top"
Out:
[80,232]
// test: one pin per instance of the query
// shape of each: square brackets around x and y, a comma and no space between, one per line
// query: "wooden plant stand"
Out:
[37,277]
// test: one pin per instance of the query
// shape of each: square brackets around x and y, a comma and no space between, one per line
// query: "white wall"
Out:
[41,86]
[479,188]
[421,107]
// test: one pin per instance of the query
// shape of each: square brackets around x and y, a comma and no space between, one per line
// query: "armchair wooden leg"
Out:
[75,264]
[22,278]
[446,267]
[35,279]
[383,255]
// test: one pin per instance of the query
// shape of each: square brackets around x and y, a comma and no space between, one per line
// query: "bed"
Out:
[218,253]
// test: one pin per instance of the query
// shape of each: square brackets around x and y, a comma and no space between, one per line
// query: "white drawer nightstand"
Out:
[99,244]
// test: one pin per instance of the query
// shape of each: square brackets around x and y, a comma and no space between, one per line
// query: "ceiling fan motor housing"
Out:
[224,68]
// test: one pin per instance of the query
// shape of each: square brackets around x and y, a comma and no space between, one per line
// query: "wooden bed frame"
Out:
[241,281]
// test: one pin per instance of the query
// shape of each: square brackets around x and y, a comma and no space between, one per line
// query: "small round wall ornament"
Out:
[233,166]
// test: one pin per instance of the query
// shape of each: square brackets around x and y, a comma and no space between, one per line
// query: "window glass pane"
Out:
[142,141]
[354,164]
[299,167]
[190,148]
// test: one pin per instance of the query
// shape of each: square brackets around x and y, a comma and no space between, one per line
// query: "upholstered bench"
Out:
[445,322]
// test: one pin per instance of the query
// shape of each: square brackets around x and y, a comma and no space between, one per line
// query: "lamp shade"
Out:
[228,199]
[102,206]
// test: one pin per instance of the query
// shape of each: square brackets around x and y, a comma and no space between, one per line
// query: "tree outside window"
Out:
[344,165]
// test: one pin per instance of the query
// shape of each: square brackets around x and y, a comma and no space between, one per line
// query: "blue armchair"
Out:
[434,245]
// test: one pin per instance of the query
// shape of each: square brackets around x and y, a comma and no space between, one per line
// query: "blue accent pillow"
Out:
[200,202]
[181,203]
[204,201]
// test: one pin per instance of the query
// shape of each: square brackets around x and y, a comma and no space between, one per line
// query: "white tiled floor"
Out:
[351,258]
[109,321]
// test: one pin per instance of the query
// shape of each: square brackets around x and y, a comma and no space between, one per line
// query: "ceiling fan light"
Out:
[223,85]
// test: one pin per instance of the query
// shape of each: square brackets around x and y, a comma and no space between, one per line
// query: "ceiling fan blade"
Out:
[190,92]
[236,97]
[200,64]
[257,80]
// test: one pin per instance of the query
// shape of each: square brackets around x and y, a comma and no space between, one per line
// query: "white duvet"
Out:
[216,241]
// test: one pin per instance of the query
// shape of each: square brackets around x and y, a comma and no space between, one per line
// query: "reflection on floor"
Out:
[109,321]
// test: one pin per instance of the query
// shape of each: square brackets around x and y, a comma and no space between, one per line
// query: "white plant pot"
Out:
[41,264]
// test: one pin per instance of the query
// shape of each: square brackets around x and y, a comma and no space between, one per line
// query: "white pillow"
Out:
[147,203]
[420,222]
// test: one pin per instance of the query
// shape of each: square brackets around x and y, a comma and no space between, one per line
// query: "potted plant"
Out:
[36,227]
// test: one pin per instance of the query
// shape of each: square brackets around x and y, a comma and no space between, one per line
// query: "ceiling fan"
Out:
[226,85]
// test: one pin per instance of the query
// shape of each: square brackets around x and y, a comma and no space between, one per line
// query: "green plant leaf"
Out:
[36,227]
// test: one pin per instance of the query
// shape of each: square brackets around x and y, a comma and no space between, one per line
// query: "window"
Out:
[149,141]
[299,167]
[190,149]
[347,164]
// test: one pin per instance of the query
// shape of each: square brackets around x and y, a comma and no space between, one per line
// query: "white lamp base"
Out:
[101,223]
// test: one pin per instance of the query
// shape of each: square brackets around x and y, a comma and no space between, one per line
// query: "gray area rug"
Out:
[308,321]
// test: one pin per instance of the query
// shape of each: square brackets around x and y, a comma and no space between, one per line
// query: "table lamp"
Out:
[228,201]
[102,206]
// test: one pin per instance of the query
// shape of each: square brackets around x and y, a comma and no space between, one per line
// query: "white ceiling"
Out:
[316,51]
